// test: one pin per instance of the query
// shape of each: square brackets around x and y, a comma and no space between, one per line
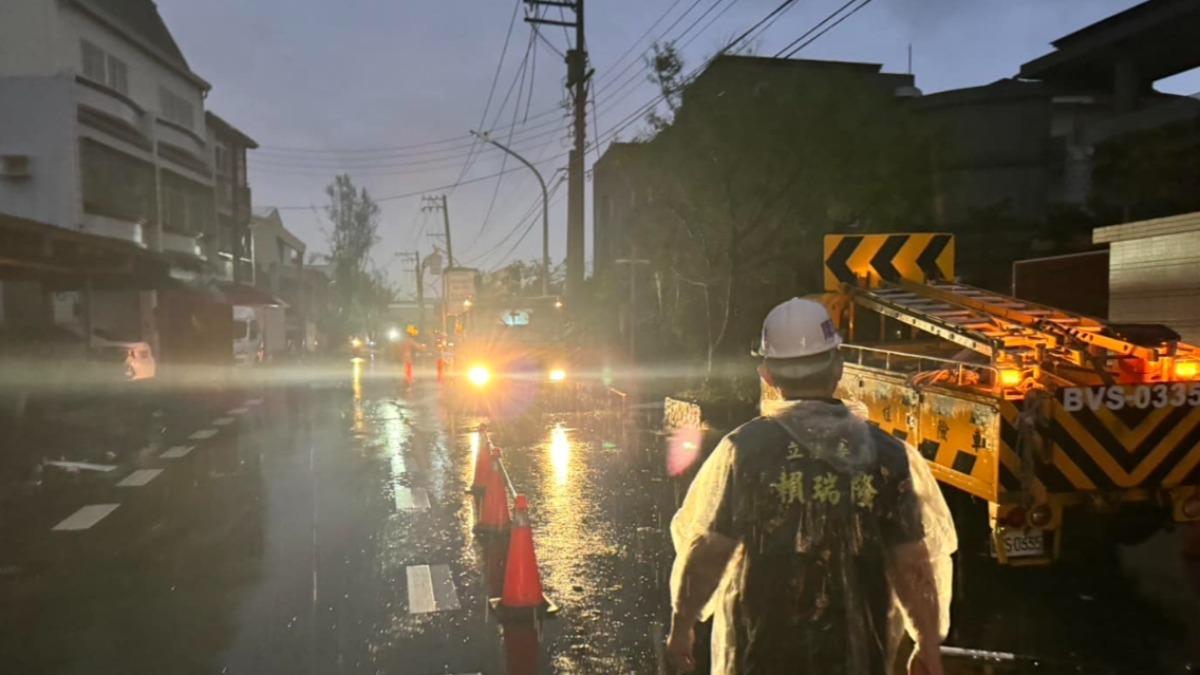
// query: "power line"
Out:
[782,6]
[827,29]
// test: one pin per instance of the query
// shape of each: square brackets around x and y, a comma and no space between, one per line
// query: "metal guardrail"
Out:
[862,356]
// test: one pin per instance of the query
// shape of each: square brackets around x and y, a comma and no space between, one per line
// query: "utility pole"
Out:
[633,263]
[578,75]
[439,203]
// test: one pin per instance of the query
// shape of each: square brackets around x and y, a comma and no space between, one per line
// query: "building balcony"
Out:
[177,242]
[113,111]
[114,228]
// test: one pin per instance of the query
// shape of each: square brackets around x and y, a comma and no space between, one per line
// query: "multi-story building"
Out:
[279,269]
[103,133]
[231,249]
[1023,147]
[623,176]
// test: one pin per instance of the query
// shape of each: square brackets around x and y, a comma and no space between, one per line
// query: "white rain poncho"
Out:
[699,511]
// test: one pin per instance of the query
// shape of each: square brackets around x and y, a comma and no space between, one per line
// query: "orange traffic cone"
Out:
[522,597]
[493,517]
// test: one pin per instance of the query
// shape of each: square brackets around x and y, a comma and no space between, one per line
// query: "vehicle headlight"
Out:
[558,375]
[479,376]
[355,342]
[394,334]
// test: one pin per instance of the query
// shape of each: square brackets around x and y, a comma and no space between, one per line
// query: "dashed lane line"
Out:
[237,411]
[202,434]
[85,517]
[222,421]
[176,452]
[430,589]
[411,499]
[139,478]
[253,401]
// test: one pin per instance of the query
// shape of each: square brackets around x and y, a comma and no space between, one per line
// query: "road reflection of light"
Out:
[357,374]
[473,444]
[560,454]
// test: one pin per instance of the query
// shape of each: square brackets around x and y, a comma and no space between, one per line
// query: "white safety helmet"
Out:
[798,328]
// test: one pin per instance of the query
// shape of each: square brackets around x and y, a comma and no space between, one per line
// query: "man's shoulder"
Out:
[758,430]
[888,449]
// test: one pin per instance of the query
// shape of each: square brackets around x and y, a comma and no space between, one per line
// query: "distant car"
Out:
[136,355]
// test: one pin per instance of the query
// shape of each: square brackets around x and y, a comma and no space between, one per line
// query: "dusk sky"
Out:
[387,91]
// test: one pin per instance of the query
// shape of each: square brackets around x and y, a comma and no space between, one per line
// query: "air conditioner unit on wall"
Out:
[15,166]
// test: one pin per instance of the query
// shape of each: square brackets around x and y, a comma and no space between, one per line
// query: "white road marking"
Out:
[176,452]
[86,517]
[411,499]
[237,411]
[420,590]
[430,589]
[202,434]
[222,421]
[81,466]
[253,401]
[139,478]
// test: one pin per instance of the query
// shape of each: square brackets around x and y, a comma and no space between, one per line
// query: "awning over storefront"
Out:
[63,259]
[241,294]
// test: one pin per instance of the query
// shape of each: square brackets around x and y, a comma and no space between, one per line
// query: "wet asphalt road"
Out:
[326,529]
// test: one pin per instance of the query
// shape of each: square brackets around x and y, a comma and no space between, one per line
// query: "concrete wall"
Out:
[1156,279]
[29,38]
[37,118]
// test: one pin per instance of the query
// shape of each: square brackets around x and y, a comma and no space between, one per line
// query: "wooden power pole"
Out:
[578,75]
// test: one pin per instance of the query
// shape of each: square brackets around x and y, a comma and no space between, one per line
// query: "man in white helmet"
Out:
[799,527]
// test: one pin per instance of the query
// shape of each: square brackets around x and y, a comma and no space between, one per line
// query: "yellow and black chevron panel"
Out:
[1113,438]
[915,258]
[1130,436]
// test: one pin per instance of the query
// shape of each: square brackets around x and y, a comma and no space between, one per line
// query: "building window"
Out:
[104,68]
[221,159]
[175,108]
[118,74]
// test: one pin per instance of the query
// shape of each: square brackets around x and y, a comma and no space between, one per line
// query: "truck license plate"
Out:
[1020,543]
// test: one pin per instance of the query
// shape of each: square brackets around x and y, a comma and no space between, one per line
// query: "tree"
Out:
[666,70]
[754,168]
[360,292]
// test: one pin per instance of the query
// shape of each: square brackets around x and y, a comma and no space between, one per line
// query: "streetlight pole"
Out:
[545,206]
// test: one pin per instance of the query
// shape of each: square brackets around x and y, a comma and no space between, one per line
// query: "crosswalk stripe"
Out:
[86,517]
[430,589]
[176,452]
[202,434]
[420,590]
[411,499]
[222,421]
[139,478]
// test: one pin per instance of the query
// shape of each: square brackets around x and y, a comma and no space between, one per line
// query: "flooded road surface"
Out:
[326,528]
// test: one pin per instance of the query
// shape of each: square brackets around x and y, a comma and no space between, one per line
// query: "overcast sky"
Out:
[353,86]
